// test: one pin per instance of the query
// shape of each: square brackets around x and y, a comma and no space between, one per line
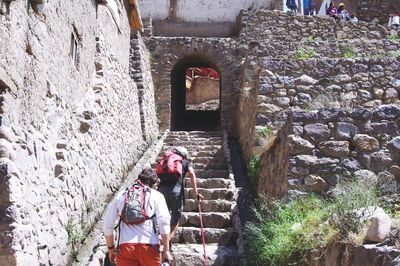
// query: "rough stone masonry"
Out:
[70,123]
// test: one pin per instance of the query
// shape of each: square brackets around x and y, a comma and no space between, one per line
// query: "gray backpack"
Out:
[134,211]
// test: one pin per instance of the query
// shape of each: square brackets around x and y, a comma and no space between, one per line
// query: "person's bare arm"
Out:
[192,175]
[166,255]
[111,247]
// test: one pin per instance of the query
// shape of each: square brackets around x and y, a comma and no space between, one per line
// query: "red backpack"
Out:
[170,169]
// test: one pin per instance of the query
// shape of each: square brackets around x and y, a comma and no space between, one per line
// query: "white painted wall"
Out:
[158,9]
[200,10]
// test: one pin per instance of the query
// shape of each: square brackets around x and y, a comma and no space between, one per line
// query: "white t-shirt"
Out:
[144,232]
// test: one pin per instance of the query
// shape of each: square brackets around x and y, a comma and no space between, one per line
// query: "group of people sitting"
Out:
[340,13]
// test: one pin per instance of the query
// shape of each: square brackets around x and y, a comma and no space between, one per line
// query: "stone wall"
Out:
[274,163]
[69,130]
[140,72]
[264,25]
[316,83]
[246,113]
[330,144]
[203,89]
[222,54]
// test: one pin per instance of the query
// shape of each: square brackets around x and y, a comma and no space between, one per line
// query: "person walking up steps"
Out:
[171,171]
[138,208]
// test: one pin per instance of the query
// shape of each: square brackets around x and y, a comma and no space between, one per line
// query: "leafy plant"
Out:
[394,37]
[311,39]
[253,170]
[264,131]
[347,51]
[302,54]
[393,53]
[75,236]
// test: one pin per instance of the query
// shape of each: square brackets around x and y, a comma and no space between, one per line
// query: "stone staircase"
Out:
[210,158]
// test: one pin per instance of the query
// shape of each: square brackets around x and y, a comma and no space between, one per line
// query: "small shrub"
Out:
[264,131]
[352,200]
[286,232]
[302,54]
[75,236]
[393,53]
[253,170]
[394,38]
[347,51]
[311,39]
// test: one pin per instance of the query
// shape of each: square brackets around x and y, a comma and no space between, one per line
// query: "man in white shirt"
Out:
[139,243]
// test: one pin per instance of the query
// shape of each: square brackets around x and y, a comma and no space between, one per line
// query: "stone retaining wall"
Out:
[69,130]
[246,113]
[140,72]
[314,84]
[330,144]
[264,25]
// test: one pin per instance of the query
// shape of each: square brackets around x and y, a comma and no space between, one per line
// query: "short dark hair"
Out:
[148,177]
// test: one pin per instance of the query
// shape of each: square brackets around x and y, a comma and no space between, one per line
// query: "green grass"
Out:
[253,170]
[302,54]
[286,233]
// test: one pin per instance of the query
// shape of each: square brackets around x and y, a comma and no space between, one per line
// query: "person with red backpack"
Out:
[140,209]
[171,171]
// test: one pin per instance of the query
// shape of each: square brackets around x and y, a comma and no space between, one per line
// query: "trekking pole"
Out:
[202,236]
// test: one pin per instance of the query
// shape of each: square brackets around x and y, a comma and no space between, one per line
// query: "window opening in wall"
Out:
[202,89]
[74,49]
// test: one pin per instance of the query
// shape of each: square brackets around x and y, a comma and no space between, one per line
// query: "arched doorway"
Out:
[195,94]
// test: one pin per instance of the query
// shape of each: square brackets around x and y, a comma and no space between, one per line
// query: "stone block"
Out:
[380,227]
[317,132]
[335,149]
[364,143]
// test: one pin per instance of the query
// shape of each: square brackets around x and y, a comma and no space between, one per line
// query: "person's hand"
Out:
[199,197]
[112,255]
[166,256]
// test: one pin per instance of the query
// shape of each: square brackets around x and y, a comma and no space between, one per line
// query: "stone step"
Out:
[217,255]
[210,166]
[219,205]
[192,139]
[211,193]
[209,183]
[192,235]
[210,219]
[212,174]
[206,160]
[196,133]
[196,148]
[205,151]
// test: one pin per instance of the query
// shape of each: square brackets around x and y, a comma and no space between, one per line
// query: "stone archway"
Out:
[168,54]
[181,117]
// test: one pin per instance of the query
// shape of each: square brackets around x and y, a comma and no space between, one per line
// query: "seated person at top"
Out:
[343,13]
[332,11]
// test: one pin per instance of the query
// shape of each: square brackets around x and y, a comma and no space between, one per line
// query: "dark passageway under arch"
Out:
[182,119]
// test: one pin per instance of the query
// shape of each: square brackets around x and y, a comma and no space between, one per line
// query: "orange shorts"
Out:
[138,255]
